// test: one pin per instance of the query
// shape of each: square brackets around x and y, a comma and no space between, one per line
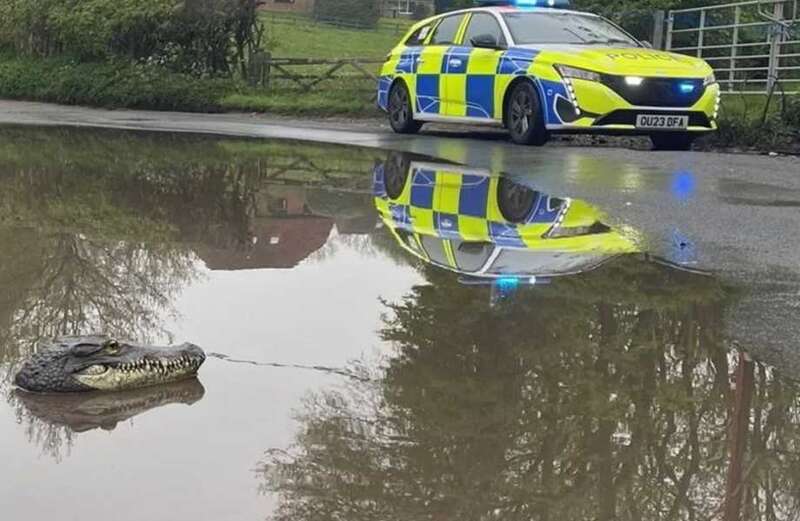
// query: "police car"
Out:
[489,227]
[542,70]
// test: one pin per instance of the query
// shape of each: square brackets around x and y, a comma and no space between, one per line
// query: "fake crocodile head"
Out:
[97,363]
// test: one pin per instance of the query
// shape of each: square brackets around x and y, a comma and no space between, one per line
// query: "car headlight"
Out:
[578,231]
[578,74]
[709,80]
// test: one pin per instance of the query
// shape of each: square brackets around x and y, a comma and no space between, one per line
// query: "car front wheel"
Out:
[515,200]
[395,175]
[401,114]
[524,116]
[672,141]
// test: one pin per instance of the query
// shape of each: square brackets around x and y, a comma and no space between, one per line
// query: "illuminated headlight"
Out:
[595,228]
[709,80]
[578,74]
[633,81]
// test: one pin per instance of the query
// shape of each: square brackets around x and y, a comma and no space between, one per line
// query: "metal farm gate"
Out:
[754,47]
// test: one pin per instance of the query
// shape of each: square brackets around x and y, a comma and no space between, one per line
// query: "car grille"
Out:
[657,92]
[628,117]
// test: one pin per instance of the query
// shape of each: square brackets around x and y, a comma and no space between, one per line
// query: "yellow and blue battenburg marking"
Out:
[471,82]
[445,207]
[450,204]
[464,81]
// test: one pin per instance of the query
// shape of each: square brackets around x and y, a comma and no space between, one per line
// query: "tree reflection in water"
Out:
[81,285]
[604,396]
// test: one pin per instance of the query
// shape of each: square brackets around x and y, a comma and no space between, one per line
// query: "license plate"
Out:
[661,121]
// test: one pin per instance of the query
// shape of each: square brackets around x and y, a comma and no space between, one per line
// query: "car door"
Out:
[475,93]
[403,63]
[431,68]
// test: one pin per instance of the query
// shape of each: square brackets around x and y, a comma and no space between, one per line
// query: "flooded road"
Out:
[391,337]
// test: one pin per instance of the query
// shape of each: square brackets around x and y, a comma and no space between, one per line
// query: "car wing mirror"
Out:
[486,41]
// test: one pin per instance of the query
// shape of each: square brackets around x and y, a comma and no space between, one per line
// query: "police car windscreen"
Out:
[564,28]
[528,262]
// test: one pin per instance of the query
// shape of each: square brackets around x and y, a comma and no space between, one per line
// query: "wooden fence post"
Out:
[266,71]
[258,71]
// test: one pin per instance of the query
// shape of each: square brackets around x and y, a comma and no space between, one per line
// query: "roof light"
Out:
[556,4]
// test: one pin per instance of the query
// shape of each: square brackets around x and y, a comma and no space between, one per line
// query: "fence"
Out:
[307,73]
[394,25]
[754,46]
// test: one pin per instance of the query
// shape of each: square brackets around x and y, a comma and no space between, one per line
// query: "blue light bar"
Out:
[507,283]
[522,4]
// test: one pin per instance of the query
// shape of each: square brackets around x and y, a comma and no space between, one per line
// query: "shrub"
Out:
[110,84]
[201,37]
[792,112]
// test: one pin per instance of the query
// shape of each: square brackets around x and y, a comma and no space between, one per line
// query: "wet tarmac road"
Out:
[603,371]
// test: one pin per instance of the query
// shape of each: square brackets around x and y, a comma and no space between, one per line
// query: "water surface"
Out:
[411,360]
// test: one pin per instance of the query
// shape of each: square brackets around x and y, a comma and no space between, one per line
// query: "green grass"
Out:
[351,99]
[299,37]
[749,106]
[742,124]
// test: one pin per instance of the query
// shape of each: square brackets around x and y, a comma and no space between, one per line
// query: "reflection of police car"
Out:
[538,70]
[488,226]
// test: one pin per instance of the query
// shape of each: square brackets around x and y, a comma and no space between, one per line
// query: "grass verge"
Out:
[744,124]
[126,85]
[108,85]
[352,98]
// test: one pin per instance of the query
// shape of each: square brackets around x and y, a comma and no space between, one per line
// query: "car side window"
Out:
[418,37]
[471,256]
[484,24]
[435,249]
[447,30]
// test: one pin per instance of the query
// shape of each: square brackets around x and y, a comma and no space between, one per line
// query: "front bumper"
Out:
[595,107]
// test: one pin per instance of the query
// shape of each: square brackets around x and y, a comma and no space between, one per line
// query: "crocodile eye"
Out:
[112,347]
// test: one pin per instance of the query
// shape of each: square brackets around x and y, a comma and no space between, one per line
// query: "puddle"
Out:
[392,337]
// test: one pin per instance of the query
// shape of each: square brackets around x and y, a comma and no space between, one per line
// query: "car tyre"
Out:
[672,141]
[524,115]
[395,175]
[515,200]
[401,113]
